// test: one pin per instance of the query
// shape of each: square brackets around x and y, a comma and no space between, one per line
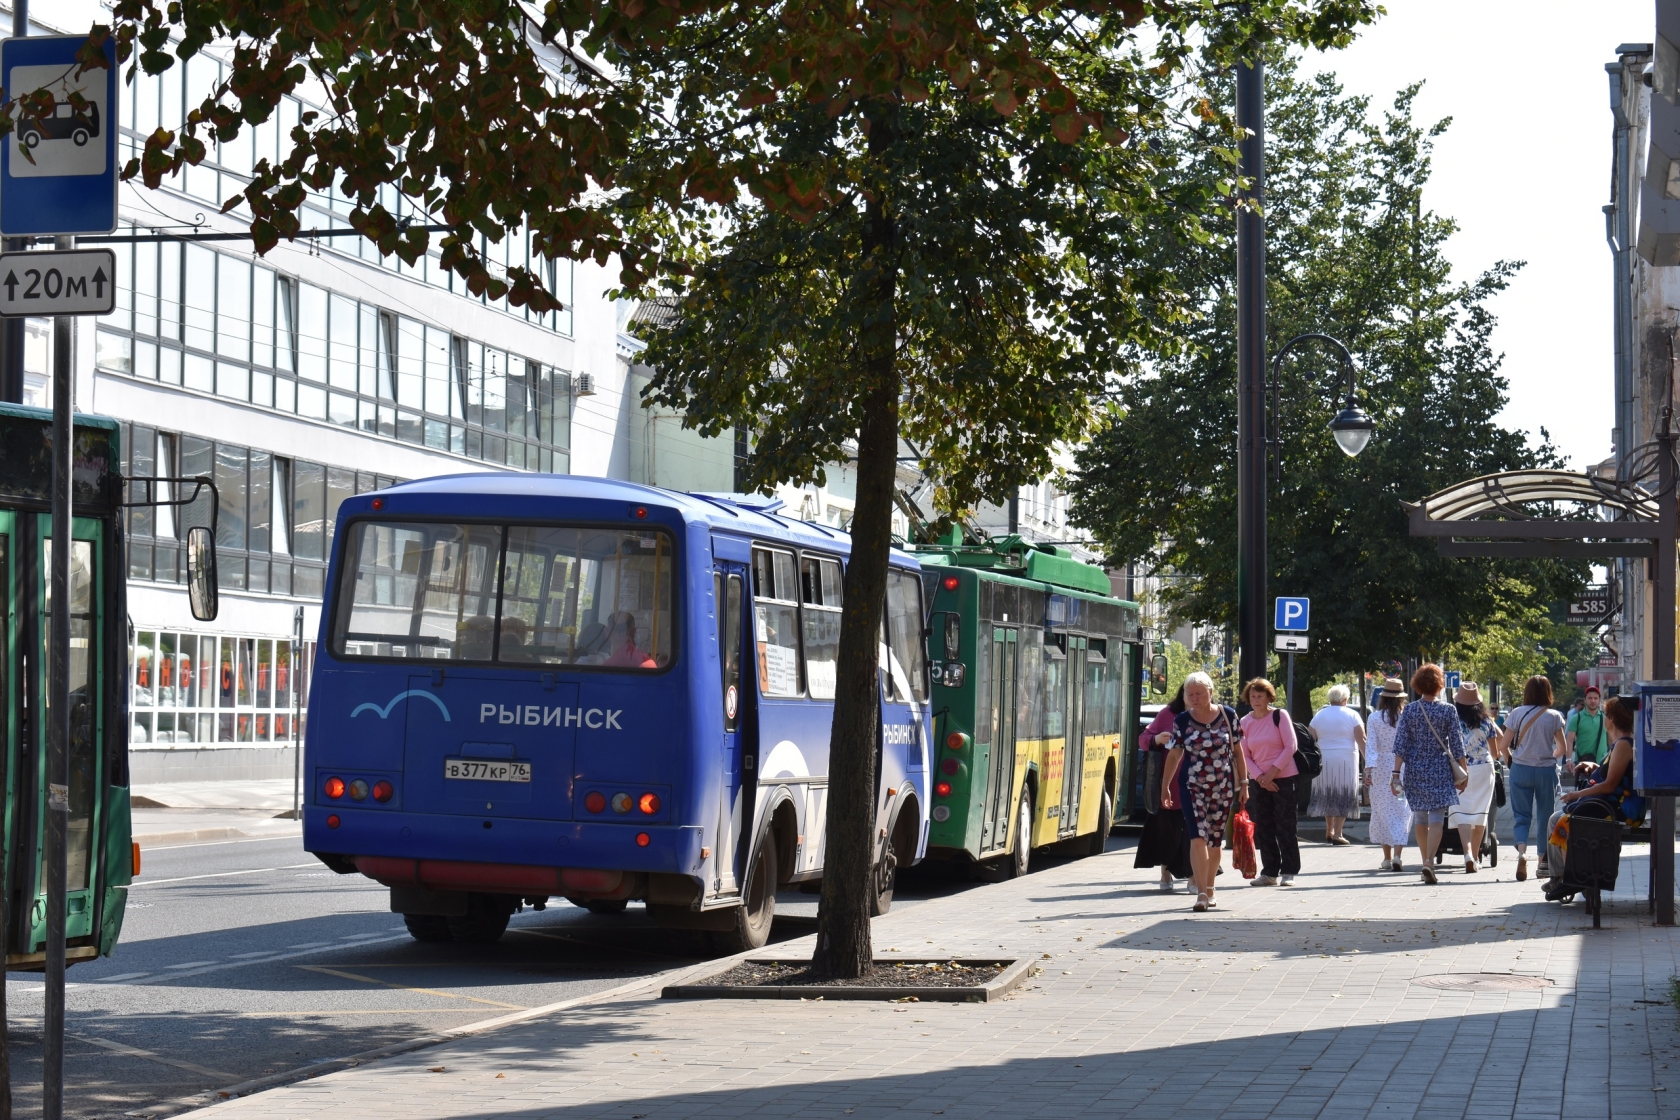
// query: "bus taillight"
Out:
[648,803]
[950,766]
[383,791]
[950,583]
[643,839]
[136,853]
[621,803]
[332,820]
[335,788]
[942,789]
[595,801]
[956,741]
[358,790]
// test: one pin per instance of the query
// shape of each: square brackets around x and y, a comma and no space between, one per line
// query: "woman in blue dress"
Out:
[1429,735]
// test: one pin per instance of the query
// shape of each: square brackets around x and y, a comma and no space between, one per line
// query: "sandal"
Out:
[1429,875]
[1470,867]
[1201,902]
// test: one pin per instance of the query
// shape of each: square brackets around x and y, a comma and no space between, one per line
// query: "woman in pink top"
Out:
[1268,744]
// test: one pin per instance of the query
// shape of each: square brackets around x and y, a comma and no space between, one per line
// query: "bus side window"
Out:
[776,622]
[729,650]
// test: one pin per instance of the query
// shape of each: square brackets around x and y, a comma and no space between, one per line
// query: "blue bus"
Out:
[540,686]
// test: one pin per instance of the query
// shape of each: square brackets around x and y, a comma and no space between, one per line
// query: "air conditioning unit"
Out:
[583,385]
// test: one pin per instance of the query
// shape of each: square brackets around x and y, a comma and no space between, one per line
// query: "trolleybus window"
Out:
[776,622]
[819,587]
[904,633]
[569,595]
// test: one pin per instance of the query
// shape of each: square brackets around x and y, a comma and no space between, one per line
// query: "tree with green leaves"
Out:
[944,266]
[917,218]
[1352,252]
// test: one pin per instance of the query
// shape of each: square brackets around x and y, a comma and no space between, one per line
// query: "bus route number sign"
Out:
[486,770]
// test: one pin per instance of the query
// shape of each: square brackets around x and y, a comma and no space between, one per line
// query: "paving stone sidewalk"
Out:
[1287,1002]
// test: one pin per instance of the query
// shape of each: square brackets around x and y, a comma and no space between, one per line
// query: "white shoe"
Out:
[1168,886]
[1387,865]
[1286,881]
[1263,881]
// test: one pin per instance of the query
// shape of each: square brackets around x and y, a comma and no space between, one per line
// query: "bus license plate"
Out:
[486,770]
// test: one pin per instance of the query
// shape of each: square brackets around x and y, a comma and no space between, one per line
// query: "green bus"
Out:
[1037,671]
[101,857]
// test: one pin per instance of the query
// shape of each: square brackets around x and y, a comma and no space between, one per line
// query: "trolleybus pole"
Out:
[58,703]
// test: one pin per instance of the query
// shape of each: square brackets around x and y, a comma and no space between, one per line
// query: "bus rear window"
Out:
[568,595]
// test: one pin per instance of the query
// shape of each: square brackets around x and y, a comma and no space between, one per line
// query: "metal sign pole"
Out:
[58,735]
[297,703]
[1289,685]
[11,330]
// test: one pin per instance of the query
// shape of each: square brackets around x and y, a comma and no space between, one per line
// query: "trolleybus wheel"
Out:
[428,927]
[882,880]
[1105,825]
[758,903]
[606,906]
[1015,864]
[485,921]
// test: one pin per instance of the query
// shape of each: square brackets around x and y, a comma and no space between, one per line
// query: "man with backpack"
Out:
[1586,734]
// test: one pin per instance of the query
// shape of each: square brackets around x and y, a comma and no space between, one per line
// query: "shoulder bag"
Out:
[1460,772]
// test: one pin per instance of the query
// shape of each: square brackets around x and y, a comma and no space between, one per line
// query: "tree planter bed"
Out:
[926,980]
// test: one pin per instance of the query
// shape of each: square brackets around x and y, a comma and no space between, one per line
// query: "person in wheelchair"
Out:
[1609,797]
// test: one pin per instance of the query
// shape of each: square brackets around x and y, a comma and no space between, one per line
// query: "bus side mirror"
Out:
[1158,674]
[201,573]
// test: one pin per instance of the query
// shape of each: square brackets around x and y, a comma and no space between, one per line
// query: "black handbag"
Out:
[1499,785]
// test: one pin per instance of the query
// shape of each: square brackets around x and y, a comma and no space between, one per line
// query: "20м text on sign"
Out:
[78,282]
[58,174]
[1292,613]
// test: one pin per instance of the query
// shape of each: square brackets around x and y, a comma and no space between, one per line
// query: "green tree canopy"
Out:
[1352,252]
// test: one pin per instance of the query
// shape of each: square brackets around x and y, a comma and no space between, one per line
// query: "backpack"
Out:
[1309,760]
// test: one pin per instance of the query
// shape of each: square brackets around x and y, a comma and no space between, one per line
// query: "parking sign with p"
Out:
[1291,613]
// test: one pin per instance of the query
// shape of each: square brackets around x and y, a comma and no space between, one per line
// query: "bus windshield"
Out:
[568,595]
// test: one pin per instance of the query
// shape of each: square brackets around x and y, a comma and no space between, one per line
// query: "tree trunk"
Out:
[844,948]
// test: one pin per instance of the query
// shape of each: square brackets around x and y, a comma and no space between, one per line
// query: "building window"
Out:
[191,689]
[219,324]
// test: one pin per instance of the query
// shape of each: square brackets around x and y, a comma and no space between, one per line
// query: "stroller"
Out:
[1452,844]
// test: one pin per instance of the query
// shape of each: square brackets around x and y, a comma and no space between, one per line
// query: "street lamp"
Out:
[1352,426]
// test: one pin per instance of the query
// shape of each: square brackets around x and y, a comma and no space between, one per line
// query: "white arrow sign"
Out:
[73,282]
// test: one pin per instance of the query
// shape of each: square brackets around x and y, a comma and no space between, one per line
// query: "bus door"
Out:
[739,786]
[1073,740]
[86,727]
[1000,769]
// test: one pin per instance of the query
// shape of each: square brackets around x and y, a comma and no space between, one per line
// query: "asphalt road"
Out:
[242,959]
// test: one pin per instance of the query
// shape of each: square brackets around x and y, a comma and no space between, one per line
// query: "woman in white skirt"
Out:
[1335,792]
[1391,817]
[1470,815]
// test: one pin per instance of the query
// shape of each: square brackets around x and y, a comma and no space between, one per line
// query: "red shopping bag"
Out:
[1242,845]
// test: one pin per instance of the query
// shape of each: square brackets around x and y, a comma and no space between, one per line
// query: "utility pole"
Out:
[1251,371]
[58,701]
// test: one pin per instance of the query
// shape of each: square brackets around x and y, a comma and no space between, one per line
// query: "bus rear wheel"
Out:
[428,927]
[484,922]
[758,903]
[882,881]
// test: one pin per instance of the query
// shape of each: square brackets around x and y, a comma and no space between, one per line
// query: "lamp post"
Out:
[1352,428]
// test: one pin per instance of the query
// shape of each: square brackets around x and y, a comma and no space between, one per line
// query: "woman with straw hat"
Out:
[1470,815]
[1391,817]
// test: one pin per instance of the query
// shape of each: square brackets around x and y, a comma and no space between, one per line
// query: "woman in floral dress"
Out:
[1429,732]
[1204,775]
[1391,817]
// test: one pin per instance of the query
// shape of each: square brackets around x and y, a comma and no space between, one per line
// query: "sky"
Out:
[1525,171]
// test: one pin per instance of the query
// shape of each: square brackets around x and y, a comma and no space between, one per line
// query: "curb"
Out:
[1014,972]
[189,836]
[203,1102]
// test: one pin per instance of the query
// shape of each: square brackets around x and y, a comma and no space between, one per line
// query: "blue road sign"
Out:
[1291,613]
[1454,679]
[70,183]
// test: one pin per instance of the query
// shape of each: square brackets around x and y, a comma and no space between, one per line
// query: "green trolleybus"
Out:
[101,858]
[1035,702]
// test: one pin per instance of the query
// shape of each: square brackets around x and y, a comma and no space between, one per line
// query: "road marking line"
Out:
[217,875]
[358,1011]
[189,964]
[408,988]
[119,976]
[136,1052]
[250,956]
